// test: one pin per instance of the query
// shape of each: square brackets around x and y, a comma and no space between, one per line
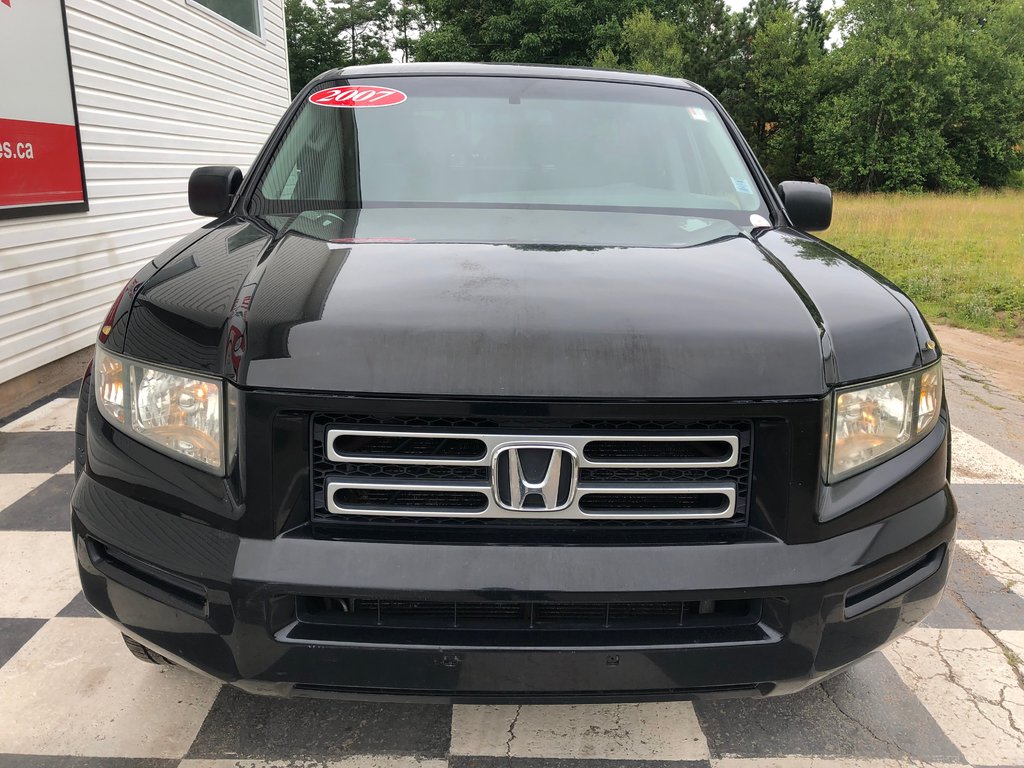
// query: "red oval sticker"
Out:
[358,96]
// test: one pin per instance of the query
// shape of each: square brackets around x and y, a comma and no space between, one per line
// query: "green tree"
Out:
[323,35]
[922,95]
[366,26]
[782,56]
[409,21]
[313,32]
[816,23]
[985,130]
[881,127]
[522,31]
[709,36]
[648,44]
[695,40]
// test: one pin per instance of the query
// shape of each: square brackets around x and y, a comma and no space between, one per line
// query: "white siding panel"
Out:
[141,117]
[229,117]
[138,70]
[47,353]
[24,249]
[162,87]
[97,133]
[41,295]
[125,153]
[124,186]
[50,331]
[108,39]
[68,305]
[214,53]
[141,171]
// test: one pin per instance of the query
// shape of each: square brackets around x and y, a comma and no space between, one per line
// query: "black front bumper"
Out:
[213,572]
[226,605]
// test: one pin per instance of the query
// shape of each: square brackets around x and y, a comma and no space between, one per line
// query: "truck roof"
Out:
[456,69]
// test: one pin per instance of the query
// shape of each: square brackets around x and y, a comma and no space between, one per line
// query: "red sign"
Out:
[358,97]
[40,155]
[40,163]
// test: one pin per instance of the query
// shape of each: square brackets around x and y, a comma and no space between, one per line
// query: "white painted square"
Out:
[13,487]
[977,462]
[67,469]
[58,415]
[967,684]
[649,731]
[74,689]
[1004,559]
[38,576]
[355,761]
[825,762]
[1013,639]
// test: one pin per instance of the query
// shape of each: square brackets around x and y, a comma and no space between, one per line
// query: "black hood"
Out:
[734,318]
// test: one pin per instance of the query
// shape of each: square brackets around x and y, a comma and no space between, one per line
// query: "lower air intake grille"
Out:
[362,612]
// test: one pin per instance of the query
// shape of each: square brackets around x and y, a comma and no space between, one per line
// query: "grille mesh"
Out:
[634,501]
[409,447]
[359,497]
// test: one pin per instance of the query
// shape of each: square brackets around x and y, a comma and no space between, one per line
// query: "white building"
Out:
[162,86]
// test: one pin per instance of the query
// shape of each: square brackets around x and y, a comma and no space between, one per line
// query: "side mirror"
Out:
[809,205]
[211,189]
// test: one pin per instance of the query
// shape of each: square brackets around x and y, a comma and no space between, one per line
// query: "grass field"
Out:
[960,257]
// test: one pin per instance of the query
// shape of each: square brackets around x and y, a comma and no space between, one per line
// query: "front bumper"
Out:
[223,604]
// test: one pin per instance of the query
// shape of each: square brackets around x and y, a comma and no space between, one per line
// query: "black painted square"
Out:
[69,761]
[242,725]
[26,452]
[989,510]
[78,608]
[470,761]
[14,633]
[994,605]
[45,508]
[865,713]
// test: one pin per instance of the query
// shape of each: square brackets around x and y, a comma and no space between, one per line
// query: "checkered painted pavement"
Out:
[71,696]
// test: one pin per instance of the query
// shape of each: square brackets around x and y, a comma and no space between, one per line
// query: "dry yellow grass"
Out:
[960,257]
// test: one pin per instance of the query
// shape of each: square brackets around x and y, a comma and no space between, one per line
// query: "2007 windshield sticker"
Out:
[357,97]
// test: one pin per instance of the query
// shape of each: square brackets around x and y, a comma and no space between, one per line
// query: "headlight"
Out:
[174,412]
[871,422]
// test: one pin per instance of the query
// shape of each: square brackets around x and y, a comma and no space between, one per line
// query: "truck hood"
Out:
[733,318]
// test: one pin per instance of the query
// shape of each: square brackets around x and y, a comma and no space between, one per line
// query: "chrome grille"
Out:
[378,471]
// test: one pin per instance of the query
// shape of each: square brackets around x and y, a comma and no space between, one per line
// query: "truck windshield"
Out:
[507,143]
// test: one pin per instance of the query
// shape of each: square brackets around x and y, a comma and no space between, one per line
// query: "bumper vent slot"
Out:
[880,591]
[154,582]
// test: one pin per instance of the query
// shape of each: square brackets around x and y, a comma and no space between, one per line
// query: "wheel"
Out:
[142,653]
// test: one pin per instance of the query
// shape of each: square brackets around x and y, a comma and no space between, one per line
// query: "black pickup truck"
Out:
[504,383]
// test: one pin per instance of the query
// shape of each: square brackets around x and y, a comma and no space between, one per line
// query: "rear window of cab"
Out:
[508,142]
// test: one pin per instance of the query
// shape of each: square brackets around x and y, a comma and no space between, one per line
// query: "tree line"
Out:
[873,95]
